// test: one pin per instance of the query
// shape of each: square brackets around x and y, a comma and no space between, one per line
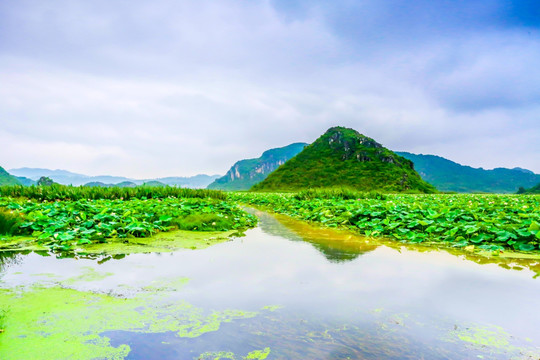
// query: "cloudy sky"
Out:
[171,87]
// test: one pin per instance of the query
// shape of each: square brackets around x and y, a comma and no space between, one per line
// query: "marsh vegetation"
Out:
[488,222]
[334,273]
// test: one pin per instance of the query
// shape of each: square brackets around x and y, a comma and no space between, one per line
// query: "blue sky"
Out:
[158,88]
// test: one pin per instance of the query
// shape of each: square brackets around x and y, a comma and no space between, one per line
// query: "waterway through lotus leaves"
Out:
[286,290]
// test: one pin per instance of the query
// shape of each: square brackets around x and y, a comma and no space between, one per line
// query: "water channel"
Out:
[285,290]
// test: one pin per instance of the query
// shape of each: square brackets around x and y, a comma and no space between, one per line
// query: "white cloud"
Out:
[179,88]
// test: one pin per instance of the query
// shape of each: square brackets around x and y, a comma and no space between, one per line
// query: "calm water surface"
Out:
[332,295]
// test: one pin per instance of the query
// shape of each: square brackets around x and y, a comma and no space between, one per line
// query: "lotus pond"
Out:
[487,222]
[285,290]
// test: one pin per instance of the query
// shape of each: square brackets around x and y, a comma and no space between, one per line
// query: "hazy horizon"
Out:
[209,174]
[147,90]
[115,175]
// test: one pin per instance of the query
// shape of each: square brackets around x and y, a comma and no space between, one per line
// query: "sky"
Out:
[159,88]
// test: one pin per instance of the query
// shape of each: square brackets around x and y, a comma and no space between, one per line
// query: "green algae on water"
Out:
[20,243]
[37,319]
[222,355]
[166,285]
[160,242]
[259,354]
[494,340]
[44,275]
[484,336]
[216,355]
[89,274]
[55,318]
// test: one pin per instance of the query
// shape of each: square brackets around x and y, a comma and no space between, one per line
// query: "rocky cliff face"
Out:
[264,168]
[245,173]
[363,149]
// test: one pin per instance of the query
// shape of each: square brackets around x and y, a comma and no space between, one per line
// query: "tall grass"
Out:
[9,222]
[64,192]
[342,193]
[3,315]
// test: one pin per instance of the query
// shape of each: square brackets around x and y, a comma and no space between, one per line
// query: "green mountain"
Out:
[246,173]
[125,184]
[45,181]
[153,183]
[121,184]
[344,157]
[97,184]
[26,181]
[8,179]
[534,190]
[195,182]
[447,175]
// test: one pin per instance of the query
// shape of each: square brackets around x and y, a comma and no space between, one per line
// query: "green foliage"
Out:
[490,222]
[59,224]
[246,173]
[447,175]
[64,192]
[343,157]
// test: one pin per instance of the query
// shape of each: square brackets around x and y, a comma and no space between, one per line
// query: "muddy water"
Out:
[286,290]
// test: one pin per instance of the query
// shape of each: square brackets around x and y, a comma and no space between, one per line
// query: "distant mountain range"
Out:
[246,173]
[444,174]
[69,178]
[344,157]
[447,175]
